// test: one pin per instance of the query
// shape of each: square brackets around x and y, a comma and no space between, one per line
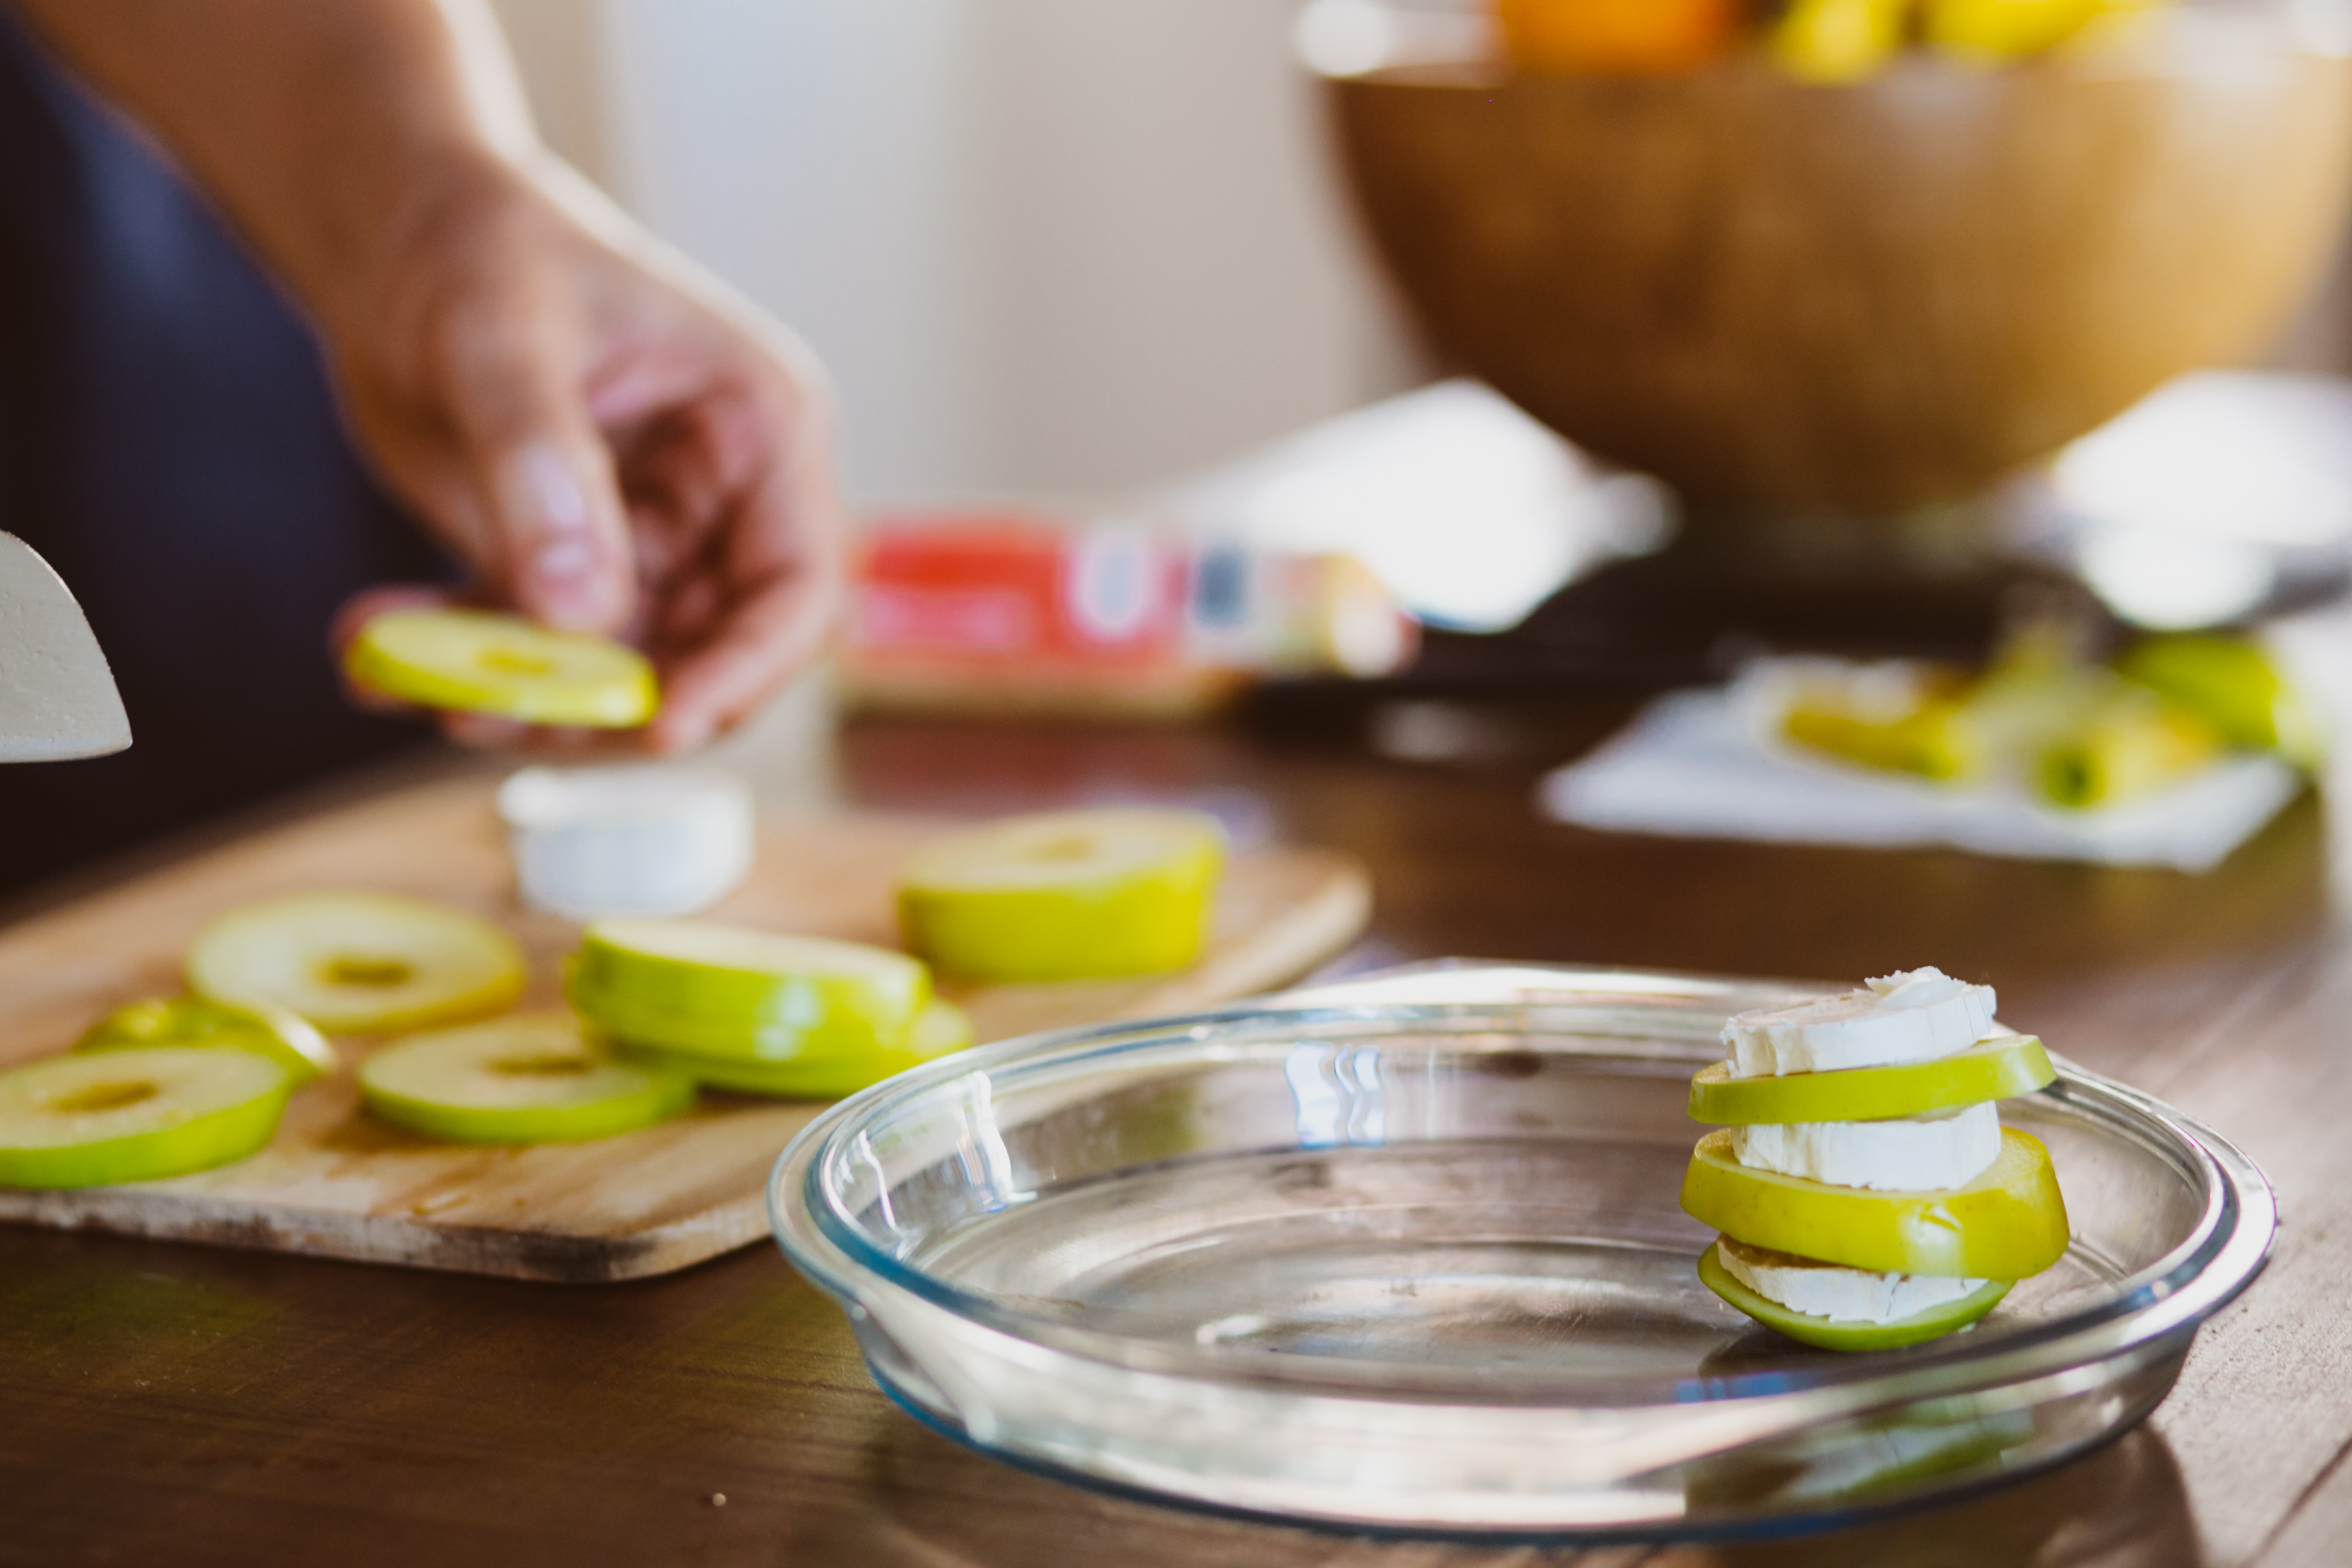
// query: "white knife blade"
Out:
[56,695]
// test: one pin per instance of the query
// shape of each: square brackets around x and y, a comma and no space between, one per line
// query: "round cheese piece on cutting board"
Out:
[643,841]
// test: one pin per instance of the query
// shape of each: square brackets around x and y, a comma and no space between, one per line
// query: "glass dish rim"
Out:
[2226,1248]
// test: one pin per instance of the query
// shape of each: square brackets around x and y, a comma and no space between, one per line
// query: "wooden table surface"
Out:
[183,1404]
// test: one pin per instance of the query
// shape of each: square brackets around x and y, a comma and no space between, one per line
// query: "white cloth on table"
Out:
[1693,765]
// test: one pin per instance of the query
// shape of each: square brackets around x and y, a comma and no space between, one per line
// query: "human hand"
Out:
[609,443]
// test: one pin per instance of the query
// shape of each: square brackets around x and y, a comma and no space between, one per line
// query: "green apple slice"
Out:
[1065,895]
[2235,685]
[289,1041]
[135,1115]
[359,964]
[1938,740]
[726,991]
[1831,1335]
[2009,1223]
[2123,753]
[529,1079]
[648,1027]
[940,1028]
[1993,1069]
[503,665]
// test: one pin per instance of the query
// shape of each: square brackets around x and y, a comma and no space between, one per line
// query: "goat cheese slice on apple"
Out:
[1912,1015]
[1915,1155]
[1841,1295]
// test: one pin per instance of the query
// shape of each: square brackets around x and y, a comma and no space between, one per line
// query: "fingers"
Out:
[358,611]
[763,641]
[481,732]
[568,562]
[583,427]
[759,609]
[559,532]
[369,602]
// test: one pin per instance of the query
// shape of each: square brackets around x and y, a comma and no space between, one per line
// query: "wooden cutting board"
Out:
[335,1182]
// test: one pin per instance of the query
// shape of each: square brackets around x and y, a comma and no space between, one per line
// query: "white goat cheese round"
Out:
[1841,1295]
[1916,1015]
[1916,1154]
[631,840]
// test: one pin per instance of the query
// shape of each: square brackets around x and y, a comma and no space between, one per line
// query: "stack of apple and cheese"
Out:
[1868,1193]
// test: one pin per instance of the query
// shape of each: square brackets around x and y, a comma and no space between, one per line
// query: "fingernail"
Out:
[550,493]
[564,557]
[545,498]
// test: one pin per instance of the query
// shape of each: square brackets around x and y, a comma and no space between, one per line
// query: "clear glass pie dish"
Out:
[1406,1255]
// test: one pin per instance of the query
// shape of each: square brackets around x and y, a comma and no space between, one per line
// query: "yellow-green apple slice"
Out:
[1834,1335]
[503,665]
[727,991]
[1993,1069]
[359,963]
[2236,687]
[528,1078]
[1995,31]
[1938,740]
[939,1029]
[285,1038]
[135,1115]
[1066,895]
[2122,752]
[2009,1223]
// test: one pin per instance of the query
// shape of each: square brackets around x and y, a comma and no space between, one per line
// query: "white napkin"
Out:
[1692,766]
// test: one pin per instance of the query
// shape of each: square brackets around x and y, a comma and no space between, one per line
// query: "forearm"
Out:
[609,441]
[332,133]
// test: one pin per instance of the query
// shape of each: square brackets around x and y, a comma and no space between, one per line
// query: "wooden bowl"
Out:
[1867,299]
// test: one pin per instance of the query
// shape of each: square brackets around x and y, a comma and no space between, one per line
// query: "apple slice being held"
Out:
[480,662]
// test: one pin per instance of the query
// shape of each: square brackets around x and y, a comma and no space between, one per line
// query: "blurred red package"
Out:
[1014,610]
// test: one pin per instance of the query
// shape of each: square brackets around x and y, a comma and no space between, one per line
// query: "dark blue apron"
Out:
[168,441]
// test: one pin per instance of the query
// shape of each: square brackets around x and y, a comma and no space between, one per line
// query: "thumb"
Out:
[559,532]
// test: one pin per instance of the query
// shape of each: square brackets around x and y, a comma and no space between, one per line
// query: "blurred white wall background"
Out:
[1044,245]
